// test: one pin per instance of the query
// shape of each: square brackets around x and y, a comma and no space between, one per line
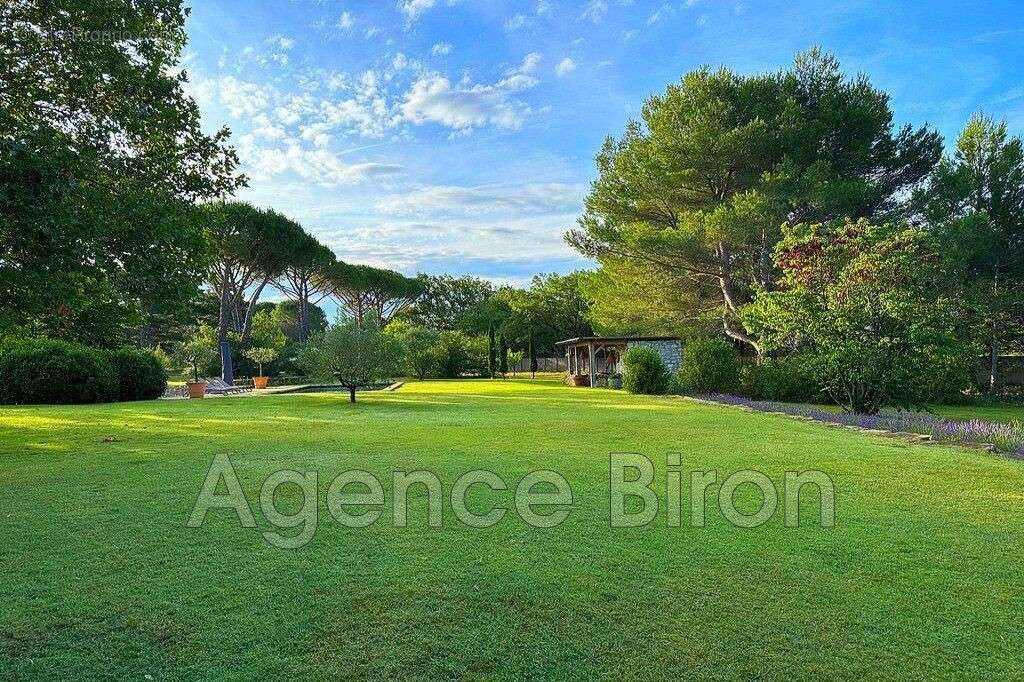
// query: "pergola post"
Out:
[593,376]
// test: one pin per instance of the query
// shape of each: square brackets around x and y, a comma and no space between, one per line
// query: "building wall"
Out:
[671,352]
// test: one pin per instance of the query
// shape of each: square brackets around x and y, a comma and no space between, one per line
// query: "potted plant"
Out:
[261,356]
[193,354]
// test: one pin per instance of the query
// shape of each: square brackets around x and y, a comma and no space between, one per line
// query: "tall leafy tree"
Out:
[101,157]
[502,355]
[697,192]
[250,247]
[554,308]
[361,291]
[447,300]
[629,298]
[304,278]
[871,311]
[975,204]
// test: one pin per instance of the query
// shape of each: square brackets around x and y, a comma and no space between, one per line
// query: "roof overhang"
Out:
[584,340]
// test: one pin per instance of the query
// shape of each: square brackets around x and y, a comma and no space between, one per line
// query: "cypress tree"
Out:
[533,356]
[491,352]
[502,355]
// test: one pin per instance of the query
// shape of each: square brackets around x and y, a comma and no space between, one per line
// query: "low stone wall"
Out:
[671,352]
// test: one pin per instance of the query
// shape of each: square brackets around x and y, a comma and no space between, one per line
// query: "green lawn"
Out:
[992,413]
[922,575]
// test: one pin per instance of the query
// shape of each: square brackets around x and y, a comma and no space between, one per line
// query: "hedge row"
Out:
[47,372]
[712,366]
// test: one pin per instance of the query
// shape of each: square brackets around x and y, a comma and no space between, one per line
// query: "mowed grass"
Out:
[922,576]
[991,413]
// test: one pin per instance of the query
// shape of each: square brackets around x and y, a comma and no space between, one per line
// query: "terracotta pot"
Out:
[196,389]
[259,383]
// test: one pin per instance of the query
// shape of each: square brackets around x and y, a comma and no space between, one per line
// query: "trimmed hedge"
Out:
[785,380]
[644,372]
[46,372]
[141,375]
[710,366]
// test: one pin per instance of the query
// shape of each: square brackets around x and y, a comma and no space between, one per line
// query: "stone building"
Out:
[597,360]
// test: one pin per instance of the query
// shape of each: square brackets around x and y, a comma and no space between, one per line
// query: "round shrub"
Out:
[644,372]
[45,372]
[140,374]
[710,366]
[787,380]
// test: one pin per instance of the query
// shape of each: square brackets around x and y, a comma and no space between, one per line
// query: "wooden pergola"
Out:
[600,357]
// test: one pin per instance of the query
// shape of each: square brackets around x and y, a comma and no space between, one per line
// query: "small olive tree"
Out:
[262,356]
[197,351]
[354,355]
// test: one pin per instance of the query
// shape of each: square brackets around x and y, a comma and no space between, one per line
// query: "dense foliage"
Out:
[868,308]
[974,206]
[693,197]
[786,379]
[353,354]
[644,372]
[101,158]
[140,374]
[710,366]
[48,372]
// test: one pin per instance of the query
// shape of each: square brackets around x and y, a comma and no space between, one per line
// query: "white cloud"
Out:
[565,67]
[319,166]
[345,21]
[595,10]
[521,77]
[543,7]
[465,105]
[414,9]
[446,199]
[241,97]
[441,49]
[455,242]
[284,42]
[515,23]
[629,35]
[462,107]
[265,128]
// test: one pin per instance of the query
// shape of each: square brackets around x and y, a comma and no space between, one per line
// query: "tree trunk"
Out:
[227,367]
[351,394]
[993,366]
[227,370]
[250,311]
[731,307]
[303,313]
[993,342]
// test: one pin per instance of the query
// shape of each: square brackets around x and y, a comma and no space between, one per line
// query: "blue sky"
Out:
[458,135]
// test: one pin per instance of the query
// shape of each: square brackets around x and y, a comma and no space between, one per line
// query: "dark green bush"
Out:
[45,372]
[710,366]
[141,375]
[644,372]
[785,379]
